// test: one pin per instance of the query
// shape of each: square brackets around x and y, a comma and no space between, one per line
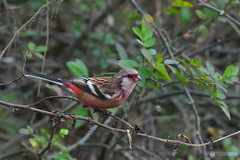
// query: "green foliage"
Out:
[78,68]
[121,51]
[36,50]
[210,13]
[80,112]
[230,147]
[202,30]
[63,132]
[181,3]
[205,77]
[145,35]
[128,63]
[172,11]
[185,15]
[201,15]
[195,62]
[62,156]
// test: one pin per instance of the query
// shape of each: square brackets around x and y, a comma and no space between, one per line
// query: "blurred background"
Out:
[88,38]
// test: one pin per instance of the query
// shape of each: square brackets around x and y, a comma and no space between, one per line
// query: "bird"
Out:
[98,92]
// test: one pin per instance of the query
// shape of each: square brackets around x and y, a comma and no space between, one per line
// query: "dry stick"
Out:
[46,48]
[88,119]
[24,25]
[68,117]
[7,84]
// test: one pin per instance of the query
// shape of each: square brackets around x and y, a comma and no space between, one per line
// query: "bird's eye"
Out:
[130,76]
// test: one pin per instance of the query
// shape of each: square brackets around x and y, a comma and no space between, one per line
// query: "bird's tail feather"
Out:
[44,77]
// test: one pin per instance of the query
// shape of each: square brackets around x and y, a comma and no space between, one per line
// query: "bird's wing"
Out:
[100,87]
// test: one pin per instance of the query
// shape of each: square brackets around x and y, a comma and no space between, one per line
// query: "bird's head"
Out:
[126,79]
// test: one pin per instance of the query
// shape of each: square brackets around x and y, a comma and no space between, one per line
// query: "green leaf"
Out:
[221,88]
[159,58]
[149,42]
[151,85]
[220,95]
[40,49]
[31,46]
[143,26]
[161,68]
[225,109]
[173,11]
[63,132]
[180,60]
[171,61]
[33,143]
[210,13]
[152,51]
[148,17]
[147,54]
[181,68]
[235,71]
[210,67]
[202,30]
[225,72]
[127,63]
[30,129]
[185,15]
[201,15]
[145,71]
[39,55]
[173,69]
[193,73]
[217,76]
[200,73]
[78,68]
[138,32]
[142,82]
[234,78]
[181,78]
[181,3]
[228,80]
[139,58]
[195,62]
[24,131]
[227,143]
[121,51]
[147,34]
[80,112]
[140,42]
[204,70]
[224,84]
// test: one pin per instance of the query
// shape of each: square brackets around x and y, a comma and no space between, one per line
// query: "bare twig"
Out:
[7,84]
[88,119]
[46,48]
[221,12]
[25,24]
[50,139]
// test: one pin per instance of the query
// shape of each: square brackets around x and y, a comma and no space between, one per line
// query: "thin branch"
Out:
[46,48]
[88,119]
[50,139]
[7,84]
[221,12]
[25,24]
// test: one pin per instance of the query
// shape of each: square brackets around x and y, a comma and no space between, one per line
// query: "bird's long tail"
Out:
[44,77]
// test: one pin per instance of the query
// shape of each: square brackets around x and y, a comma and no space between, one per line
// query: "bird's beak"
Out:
[138,78]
